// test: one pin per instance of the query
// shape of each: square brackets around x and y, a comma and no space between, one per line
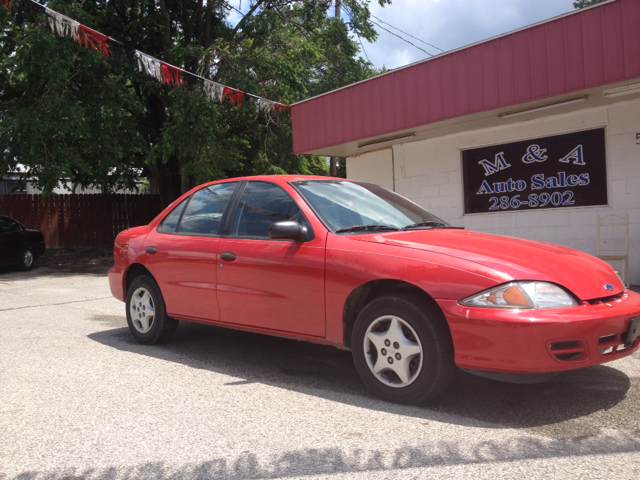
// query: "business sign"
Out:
[567,170]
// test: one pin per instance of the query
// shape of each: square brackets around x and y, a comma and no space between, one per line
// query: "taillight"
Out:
[120,251]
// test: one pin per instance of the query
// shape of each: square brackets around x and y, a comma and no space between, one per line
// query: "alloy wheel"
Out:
[142,310]
[393,351]
[27,258]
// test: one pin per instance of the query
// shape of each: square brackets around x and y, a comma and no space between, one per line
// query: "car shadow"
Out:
[602,393]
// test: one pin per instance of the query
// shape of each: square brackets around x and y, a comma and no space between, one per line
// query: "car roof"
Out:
[283,178]
[278,179]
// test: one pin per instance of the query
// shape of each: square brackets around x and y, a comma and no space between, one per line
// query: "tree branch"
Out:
[249,13]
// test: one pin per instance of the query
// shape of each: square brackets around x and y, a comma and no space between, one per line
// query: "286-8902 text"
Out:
[544,199]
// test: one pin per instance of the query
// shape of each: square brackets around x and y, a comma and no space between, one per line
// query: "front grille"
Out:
[612,298]
[612,344]
[569,351]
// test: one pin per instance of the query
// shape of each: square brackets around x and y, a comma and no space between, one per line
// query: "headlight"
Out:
[522,295]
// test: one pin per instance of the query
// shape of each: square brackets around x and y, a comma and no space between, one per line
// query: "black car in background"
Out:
[19,245]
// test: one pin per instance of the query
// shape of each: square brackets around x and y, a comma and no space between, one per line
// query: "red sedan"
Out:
[356,266]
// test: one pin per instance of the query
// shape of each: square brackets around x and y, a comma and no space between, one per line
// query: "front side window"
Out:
[204,211]
[261,205]
[342,205]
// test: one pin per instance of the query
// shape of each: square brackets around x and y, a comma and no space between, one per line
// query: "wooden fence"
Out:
[70,220]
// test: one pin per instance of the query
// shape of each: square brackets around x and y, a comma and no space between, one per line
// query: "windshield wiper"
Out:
[368,228]
[430,223]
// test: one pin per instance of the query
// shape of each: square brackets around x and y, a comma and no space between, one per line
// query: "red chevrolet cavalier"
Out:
[354,265]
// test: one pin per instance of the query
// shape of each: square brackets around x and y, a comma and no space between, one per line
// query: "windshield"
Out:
[343,205]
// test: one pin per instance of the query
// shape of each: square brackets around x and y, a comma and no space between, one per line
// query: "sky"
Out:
[446,24]
[450,24]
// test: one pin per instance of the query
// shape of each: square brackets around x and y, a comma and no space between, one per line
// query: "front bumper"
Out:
[541,341]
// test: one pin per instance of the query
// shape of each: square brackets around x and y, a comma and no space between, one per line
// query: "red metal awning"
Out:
[576,51]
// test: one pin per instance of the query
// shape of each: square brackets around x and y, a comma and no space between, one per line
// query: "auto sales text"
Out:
[534,155]
[538,182]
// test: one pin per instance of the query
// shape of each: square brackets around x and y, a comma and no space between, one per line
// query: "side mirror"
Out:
[289,230]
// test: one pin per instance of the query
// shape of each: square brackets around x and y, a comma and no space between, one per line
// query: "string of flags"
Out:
[141,62]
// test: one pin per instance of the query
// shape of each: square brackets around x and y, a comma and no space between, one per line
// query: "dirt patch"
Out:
[77,259]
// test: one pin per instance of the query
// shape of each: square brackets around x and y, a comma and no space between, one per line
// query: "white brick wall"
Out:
[374,167]
[429,173]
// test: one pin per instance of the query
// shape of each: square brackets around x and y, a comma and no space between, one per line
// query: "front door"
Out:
[268,283]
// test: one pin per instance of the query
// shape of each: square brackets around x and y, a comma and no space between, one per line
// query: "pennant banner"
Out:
[61,24]
[171,75]
[234,96]
[96,40]
[279,107]
[265,105]
[149,65]
[213,90]
[161,71]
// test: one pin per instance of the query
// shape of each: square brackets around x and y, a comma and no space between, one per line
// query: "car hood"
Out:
[583,274]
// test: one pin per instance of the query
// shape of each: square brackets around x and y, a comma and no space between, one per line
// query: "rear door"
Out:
[269,283]
[181,252]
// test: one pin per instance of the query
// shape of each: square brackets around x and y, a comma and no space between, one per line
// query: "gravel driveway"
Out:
[80,399]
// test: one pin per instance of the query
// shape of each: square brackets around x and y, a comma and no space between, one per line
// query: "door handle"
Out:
[152,249]
[228,256]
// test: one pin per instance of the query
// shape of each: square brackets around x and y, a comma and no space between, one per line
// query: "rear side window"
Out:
[170,222]
[204,211]
[261,205]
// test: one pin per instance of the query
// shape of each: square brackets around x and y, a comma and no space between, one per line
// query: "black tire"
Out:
[422,327]
[144,296]
[27,259]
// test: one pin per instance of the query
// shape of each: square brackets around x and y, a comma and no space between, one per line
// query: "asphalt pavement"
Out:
[80,399]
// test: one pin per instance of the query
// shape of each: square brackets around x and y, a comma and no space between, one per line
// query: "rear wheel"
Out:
[146,313]
[27,259]
[402,349]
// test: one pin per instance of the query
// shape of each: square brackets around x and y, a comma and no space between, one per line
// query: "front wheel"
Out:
[146,313]
[402,349]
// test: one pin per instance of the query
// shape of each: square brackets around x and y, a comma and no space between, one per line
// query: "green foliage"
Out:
[586,3]
[65,113]
[68,112]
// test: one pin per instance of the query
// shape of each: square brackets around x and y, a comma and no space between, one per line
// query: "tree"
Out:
[69,112]
[586,3]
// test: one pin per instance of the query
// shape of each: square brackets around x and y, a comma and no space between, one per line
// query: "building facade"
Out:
[533,134]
